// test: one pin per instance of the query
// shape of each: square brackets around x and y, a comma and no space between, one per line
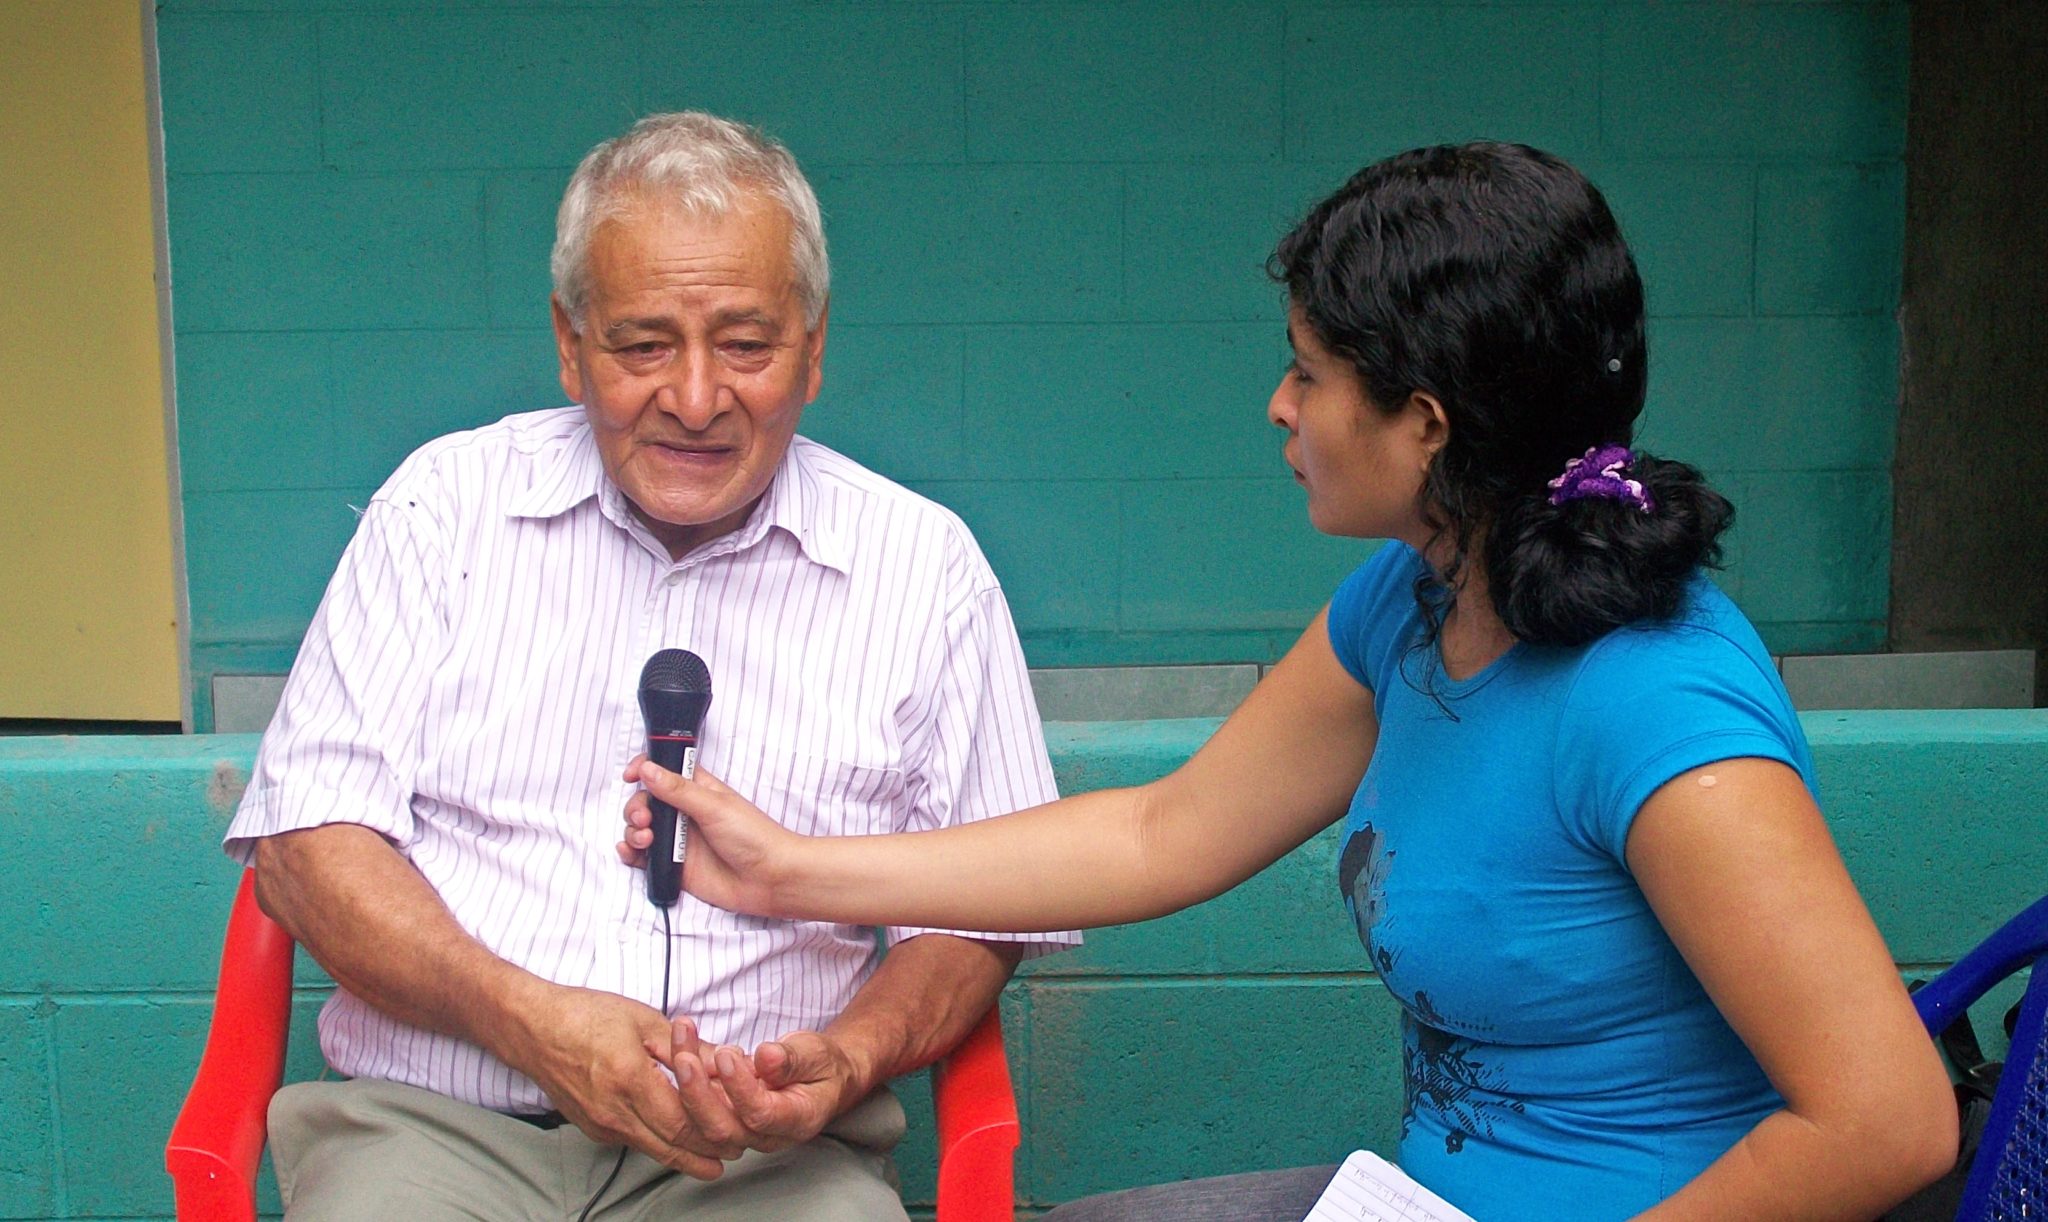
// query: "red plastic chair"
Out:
[217,1141]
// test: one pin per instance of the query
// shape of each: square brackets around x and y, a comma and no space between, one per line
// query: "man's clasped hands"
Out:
[622,1073]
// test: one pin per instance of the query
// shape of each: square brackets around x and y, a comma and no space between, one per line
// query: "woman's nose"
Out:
[1280,408]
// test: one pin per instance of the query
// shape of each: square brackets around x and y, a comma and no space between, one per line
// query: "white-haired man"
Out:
[434,808]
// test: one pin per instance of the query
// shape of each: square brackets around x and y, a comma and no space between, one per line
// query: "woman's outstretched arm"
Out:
[1738,865]
[1282,767]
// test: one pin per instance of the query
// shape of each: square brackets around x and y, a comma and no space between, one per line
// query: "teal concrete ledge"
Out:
[1194,1044]
[1942,817]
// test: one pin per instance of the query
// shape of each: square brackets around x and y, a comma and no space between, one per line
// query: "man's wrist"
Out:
[514,1019]
[863,1075]
[856,1067]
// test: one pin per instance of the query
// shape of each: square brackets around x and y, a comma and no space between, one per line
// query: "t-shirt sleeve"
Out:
[342,746]
[983,748]
[1371,613]
[1650,704]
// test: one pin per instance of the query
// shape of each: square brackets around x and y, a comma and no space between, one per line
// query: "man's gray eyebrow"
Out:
[634,324]
[727,318]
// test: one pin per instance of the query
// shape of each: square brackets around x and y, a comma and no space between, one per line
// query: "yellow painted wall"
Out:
[87,601]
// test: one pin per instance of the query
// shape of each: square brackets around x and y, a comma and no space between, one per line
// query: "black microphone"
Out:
[675,691]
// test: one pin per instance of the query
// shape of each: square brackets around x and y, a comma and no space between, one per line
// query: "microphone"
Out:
[675,691]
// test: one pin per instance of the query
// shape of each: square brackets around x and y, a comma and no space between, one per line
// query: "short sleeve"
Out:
[1649,704]
[1373,613]
[984,748]
[342,746]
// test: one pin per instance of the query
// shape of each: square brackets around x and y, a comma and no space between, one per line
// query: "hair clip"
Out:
[1597,475]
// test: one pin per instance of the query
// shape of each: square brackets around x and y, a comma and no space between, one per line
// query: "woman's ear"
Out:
[1429,425]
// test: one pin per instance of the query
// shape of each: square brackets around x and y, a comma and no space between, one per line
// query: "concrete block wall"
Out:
[1240,1034]
[1049,222]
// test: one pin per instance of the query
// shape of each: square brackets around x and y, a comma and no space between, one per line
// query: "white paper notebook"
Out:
[1368,1188]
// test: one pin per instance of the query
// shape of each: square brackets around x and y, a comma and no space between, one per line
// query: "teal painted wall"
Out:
[1049,222]
[1239,1034]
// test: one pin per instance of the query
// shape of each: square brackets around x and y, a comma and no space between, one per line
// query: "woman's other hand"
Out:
[734,849]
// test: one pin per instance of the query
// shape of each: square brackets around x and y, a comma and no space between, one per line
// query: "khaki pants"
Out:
[369,1151]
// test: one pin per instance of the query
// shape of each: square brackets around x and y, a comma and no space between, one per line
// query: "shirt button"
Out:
[625,935]
[674,578]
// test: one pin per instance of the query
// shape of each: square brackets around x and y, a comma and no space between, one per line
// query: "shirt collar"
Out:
[796,502]
[574,473]
[570,473]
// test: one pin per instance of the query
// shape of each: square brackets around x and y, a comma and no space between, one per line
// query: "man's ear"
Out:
[1430,423]
[814,342]
[567,351]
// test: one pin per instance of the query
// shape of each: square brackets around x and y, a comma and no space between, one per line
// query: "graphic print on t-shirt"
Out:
[1362,880]
[1438,1069]
[1439,1072]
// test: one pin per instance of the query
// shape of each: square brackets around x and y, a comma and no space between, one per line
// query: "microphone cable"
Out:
[668,959]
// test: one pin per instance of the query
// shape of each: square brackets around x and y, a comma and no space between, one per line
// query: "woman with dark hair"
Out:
[1581,842]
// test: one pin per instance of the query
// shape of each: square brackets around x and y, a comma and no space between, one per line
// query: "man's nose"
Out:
[693,395]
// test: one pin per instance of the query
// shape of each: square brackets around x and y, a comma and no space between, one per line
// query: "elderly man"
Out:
[434,807]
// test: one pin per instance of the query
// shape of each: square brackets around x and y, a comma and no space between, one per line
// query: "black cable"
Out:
[601,1188]
[667,961]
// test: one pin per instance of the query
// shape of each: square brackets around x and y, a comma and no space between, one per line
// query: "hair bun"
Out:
[1565,574]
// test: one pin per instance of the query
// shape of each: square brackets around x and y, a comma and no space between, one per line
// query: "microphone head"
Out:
[675,691]
[675,670]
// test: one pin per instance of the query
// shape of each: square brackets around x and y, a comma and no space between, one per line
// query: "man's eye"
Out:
[746,347]
[641,352]
[1295,371]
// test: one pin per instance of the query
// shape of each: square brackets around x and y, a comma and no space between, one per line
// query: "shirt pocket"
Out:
[818,796]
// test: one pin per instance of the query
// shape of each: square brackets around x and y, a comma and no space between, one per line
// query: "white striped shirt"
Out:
[469,688]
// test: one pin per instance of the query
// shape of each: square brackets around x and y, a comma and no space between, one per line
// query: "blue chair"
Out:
[2009,1177]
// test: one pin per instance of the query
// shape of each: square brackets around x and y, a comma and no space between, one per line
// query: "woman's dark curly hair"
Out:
[1493,278]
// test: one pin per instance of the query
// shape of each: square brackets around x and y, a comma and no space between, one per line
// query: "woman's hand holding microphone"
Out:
[736,853]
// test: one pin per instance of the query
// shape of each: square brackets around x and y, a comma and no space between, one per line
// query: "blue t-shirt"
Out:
[1561,1060]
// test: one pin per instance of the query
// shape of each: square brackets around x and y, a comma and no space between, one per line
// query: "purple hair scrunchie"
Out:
[1597,475]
